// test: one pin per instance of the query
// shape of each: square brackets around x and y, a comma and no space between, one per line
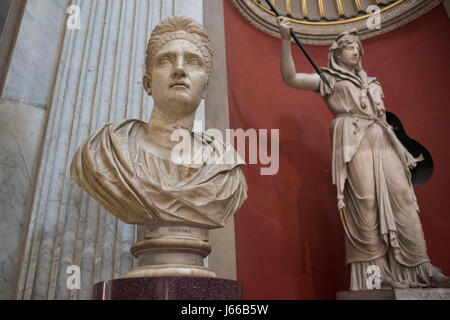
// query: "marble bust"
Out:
[128,166]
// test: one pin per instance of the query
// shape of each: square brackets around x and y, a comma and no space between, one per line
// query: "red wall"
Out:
[289,239]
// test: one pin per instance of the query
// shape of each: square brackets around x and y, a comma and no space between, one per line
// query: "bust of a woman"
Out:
[128,167]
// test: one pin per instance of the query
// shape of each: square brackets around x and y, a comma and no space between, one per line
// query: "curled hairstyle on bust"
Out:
[178,28]
[343,40]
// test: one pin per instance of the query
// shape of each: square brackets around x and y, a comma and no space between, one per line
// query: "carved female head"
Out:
[346,51]
[186,32]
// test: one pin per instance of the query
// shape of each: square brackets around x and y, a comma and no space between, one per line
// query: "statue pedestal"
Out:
[168,288]
[396,294]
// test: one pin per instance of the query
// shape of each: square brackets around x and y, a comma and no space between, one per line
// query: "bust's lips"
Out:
[179,83]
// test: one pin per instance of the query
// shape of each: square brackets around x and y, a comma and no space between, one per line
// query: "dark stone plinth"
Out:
[168,288]
[396,294]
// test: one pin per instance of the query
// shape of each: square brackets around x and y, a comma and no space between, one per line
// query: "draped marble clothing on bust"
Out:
[371,170]
[139,187]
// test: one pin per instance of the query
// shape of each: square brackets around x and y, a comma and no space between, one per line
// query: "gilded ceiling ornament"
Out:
[321,21]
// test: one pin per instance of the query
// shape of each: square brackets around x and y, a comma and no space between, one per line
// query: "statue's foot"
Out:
[439,280]
[423,282]
[390,283]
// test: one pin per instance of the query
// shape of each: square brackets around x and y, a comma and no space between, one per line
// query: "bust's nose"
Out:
[179,70]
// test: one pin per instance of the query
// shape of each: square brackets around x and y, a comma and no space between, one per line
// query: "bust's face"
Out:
[349,56]
[179,76]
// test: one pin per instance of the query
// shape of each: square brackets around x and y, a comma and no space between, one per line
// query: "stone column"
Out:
[99,80]
[222,259]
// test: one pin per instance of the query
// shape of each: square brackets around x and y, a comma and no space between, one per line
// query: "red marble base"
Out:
[168,288]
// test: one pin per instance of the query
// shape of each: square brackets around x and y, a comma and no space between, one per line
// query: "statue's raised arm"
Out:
[301,81]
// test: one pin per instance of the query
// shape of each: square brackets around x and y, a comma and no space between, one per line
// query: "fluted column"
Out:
[99,80]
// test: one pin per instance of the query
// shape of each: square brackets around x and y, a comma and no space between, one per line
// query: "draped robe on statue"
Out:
[139,187]
[371,170]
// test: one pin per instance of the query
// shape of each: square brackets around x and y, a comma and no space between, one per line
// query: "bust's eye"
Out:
[194,61]
[164,59]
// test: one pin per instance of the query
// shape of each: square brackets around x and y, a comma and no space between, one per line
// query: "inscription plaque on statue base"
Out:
[396,294]
[168,288]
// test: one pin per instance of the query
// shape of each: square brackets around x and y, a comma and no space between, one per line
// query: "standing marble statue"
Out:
[128,166]
[370,168]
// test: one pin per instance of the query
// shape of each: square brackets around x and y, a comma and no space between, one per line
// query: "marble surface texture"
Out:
[35,58]
[21,128]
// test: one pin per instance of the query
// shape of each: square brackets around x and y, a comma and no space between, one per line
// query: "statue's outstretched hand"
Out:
[285,27]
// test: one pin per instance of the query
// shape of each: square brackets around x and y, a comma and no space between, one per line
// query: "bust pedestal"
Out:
[168,288]
[171,249]
[170,267]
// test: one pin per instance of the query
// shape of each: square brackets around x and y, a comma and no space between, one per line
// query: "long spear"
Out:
[301,47]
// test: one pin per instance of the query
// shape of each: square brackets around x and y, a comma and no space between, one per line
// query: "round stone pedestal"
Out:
[171,249]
